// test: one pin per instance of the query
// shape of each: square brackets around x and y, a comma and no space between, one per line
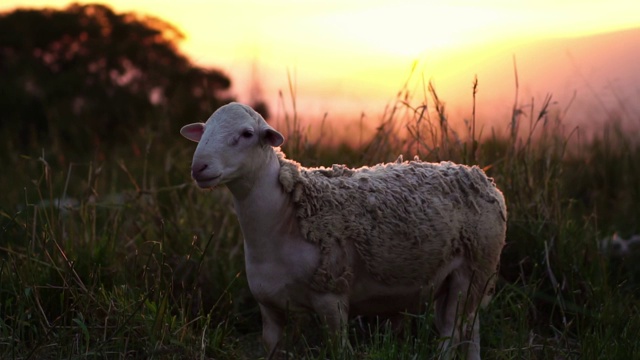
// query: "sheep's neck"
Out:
[263,209]
[278,261]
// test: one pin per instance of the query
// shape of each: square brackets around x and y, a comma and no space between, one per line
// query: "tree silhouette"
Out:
[85,76]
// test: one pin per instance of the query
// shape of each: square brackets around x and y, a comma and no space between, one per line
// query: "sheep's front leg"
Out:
[273,322]
[473,349]
[334,311]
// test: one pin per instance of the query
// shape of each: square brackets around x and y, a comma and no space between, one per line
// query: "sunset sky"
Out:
[353,56]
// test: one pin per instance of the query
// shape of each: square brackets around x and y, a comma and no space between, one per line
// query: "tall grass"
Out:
[125,258]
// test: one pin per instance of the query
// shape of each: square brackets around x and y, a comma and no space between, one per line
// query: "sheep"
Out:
[344,242]
[617,247]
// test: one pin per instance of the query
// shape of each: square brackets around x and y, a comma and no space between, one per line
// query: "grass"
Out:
[144,265]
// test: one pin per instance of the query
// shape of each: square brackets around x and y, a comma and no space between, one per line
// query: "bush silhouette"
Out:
[85,78]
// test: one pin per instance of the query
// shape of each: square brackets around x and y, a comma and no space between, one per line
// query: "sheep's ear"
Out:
[193,131]
[271,136]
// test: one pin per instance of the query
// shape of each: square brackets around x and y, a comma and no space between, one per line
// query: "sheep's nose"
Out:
[198,168]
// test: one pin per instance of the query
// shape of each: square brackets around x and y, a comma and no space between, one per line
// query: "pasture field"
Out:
[118,255]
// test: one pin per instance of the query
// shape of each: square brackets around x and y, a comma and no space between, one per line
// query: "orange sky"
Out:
[349,57]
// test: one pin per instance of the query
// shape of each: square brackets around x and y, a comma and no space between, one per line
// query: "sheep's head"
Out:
[231,144]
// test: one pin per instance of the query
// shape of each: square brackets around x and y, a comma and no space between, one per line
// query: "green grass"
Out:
[145,265]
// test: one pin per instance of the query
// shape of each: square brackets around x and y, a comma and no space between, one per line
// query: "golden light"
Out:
[352,56]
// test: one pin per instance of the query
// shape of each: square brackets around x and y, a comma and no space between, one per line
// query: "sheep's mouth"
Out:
[208,182]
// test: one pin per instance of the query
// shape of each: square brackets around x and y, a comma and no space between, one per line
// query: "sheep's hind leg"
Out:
[455,312]
[272,328]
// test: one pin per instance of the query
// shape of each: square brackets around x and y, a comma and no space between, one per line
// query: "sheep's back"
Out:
[405,219]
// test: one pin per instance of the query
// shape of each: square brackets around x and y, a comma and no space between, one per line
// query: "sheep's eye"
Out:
[247,134]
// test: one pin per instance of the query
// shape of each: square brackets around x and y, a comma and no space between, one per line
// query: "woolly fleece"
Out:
[406,220]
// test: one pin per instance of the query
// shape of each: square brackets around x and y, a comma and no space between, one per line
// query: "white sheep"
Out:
[618,247]
[342,242]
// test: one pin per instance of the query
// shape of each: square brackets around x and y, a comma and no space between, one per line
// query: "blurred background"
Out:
[342,61]
[108,250]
